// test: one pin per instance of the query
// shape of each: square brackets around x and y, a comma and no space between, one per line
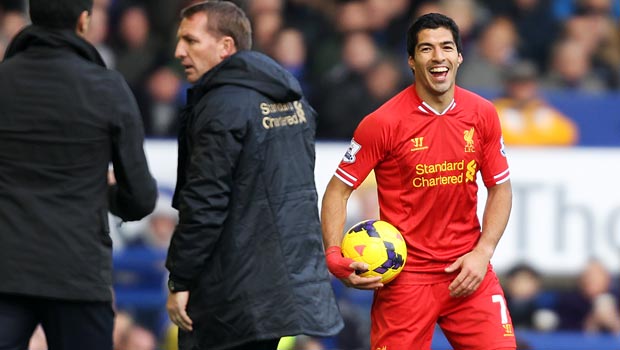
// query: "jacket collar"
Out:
[251,70]
[34,35]
[200,88]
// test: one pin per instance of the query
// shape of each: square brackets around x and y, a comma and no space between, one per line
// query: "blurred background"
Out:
[552,69]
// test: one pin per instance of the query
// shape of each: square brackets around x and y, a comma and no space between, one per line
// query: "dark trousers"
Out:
[271,344]
[68,325]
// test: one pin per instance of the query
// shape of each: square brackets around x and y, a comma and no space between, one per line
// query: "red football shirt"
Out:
[426,164]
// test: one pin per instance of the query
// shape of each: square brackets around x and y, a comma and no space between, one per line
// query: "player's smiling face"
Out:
[435,61]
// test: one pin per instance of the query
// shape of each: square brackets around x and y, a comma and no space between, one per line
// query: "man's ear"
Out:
[411,63]
[460,59]
[82,24]
[228,47]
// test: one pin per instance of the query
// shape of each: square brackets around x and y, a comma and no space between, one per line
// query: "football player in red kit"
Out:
[427,146]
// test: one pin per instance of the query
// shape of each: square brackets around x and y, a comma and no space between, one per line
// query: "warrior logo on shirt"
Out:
[354,147]
[468,135]
[418,144]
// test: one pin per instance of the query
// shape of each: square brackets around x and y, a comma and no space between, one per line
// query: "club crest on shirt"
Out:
[468,135]
[354,147]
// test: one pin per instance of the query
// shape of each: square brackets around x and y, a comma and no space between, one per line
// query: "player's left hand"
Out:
[473,268]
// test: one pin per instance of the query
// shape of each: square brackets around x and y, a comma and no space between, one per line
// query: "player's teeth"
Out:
[438,70]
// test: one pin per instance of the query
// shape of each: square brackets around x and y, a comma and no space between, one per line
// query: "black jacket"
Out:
[249,237]
[63,118]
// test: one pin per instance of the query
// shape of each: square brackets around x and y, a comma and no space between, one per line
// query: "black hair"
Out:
[432,21]
[59,14]
[522,267]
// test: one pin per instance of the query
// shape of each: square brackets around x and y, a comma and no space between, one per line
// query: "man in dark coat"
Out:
[63,118]
[246,262]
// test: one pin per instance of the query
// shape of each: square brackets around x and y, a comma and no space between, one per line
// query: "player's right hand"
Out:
[337,264]
[345,270]
[176,306]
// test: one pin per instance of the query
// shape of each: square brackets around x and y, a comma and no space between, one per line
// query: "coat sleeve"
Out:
[135,193]
[217,136]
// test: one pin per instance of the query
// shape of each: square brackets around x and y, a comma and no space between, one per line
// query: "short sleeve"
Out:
[495,168]
[366,150]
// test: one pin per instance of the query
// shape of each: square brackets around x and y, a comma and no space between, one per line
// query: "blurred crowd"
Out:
[588,304]
[349,55]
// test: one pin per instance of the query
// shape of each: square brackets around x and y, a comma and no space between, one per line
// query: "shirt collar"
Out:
[426,108]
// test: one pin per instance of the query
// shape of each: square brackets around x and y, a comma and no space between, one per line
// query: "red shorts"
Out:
[404,313]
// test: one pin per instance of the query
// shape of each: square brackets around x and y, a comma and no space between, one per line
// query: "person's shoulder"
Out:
[227,104]
[109,74]
[88,71]
[110,83]
[385,117]
[389,115]
[469,96]
[229,96]
[394,108]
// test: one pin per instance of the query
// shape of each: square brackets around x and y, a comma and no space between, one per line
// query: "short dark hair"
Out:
[60,14]
[522,267]
[224,18]
[432,21]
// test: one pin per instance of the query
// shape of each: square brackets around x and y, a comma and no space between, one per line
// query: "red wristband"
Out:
[337,264]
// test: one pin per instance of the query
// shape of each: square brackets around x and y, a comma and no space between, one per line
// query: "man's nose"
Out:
[438,55]
[180,52]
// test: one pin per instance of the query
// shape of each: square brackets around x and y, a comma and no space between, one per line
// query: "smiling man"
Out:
[427,146]
[246,261]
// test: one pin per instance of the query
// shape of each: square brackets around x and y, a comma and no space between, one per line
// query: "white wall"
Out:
[566,205]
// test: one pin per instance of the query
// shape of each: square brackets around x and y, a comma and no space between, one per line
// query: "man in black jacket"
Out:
[246,260]
[63,118]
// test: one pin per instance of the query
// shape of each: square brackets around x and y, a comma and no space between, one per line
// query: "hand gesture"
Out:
[473,267]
